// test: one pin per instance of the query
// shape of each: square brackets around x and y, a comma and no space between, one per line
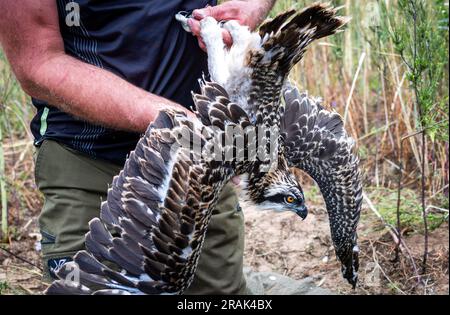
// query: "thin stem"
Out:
[399,190]
[20,258]
[414,12]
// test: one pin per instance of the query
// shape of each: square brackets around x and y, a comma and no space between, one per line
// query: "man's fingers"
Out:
[236,180]
[227,38]
[195,29]
[220,12]
[202,13]
[201,43]
[194,25]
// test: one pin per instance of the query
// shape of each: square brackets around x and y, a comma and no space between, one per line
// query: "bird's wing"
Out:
[230,125]
[316,142]
[152,225]
[283,43]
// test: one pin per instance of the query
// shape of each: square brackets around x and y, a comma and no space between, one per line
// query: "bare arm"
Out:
[30,37]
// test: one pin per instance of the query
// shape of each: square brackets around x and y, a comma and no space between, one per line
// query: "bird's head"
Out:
[278,190]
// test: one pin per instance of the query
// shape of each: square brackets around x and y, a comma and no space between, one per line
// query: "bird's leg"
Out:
[239,80]
[211,33]
[240,34]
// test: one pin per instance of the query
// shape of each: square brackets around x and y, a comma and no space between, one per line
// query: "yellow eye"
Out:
[290,199]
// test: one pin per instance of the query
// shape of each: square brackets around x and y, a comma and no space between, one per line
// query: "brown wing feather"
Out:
[153,222]
[316,142]
[284,42]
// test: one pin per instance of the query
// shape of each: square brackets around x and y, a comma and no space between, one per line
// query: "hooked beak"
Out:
[302,212]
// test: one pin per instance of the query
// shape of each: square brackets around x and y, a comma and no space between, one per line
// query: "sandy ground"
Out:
[283,243]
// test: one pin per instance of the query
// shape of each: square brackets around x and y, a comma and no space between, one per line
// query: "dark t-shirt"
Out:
[141,42]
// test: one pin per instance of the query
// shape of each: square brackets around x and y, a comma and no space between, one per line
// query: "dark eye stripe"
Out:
[281,198]
[276,198]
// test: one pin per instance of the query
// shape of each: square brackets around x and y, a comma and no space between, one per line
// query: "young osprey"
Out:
[152,225]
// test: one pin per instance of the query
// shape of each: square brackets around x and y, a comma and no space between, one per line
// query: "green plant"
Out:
[4,286]
[419,30]
[420,37]
[410,210]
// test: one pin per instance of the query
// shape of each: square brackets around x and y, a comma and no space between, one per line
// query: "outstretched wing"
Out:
[316,142]
[152,225]
[284,42]
[229,124]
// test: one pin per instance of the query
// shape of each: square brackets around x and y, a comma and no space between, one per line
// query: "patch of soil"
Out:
[283,243]
[21,271]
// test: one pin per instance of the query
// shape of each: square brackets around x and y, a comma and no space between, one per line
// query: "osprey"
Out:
[151,227]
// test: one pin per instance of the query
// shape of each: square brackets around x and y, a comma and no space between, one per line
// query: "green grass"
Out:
[4,287]
[15,115]
[410,209]
[15,106]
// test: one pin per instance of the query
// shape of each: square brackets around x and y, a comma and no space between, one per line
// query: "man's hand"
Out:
[246,12]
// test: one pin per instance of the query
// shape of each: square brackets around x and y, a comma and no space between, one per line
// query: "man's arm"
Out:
[31,39]
[247,12]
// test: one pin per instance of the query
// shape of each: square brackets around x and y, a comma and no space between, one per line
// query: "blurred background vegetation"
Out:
[387,74]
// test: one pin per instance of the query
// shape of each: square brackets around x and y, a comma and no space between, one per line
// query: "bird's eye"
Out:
[290,199]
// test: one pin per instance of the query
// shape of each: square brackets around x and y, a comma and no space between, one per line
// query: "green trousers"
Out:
[74,185]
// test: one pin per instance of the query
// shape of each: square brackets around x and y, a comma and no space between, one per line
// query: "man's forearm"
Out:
[94,94]
[264,7]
